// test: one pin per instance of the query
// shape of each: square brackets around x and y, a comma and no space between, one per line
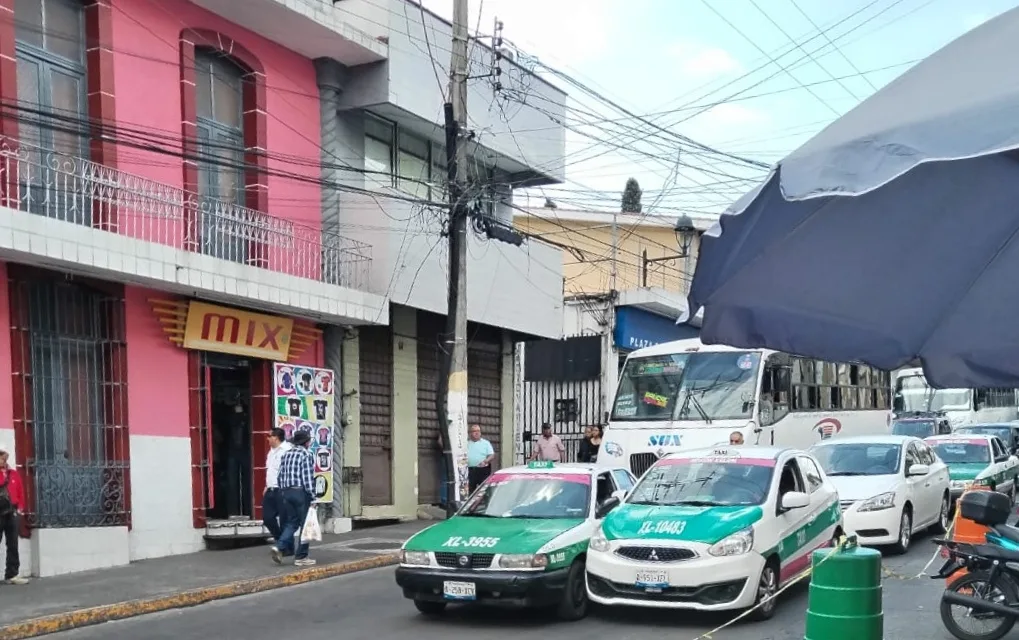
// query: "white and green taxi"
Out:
[519,539]
[976,459]
[714,529]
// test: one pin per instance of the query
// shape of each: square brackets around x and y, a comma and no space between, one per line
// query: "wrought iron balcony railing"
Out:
[76,190]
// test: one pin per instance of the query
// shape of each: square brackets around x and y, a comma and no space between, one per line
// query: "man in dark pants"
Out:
[12,501]
[480,454]
[272,500]
[297,485]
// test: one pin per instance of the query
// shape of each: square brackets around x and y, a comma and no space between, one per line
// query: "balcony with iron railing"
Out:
[76,190]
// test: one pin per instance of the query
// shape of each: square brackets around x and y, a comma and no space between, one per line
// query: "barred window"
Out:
[70,364]
[829,386]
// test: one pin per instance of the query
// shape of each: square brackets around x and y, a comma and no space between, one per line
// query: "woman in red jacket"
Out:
[12,502]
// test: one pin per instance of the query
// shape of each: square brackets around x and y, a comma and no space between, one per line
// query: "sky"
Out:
[749,78]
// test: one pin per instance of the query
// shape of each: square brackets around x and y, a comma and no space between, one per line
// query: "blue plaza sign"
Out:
[636,329]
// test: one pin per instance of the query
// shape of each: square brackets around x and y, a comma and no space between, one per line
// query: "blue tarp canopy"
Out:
[892,234]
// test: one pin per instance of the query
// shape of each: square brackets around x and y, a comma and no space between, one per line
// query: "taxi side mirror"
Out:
[621,494]
[794,500]
[607,505]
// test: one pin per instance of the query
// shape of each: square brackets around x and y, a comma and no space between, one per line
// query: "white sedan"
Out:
[889,487]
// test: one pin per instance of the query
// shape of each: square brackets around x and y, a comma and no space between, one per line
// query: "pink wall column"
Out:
[6,391]
[157,371]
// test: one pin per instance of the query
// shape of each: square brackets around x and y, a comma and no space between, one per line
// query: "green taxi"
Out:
[520,539]
[976,459]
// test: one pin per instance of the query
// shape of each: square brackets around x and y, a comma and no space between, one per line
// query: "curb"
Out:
[194,597]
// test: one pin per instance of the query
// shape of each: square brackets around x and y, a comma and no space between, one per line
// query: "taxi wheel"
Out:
[767,586]
[574,604]
[905,532]
[430,607]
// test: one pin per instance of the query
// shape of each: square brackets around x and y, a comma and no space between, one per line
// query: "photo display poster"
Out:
[304,402]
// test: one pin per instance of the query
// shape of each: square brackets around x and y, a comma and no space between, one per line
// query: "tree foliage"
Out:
[631,197]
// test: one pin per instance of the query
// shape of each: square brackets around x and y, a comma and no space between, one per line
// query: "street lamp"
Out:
[685,233]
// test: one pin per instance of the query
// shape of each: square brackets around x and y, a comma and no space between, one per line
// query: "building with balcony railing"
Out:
[194,194]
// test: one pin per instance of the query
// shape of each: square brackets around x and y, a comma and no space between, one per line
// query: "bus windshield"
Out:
[697,386]
[916,395]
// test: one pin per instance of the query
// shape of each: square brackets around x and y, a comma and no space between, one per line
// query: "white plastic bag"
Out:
[311,531]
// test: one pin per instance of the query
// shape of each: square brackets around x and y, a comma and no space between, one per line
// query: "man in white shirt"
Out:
[272,500]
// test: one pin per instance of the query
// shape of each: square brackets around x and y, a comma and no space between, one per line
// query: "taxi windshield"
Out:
[704,482]
[858,459]
[530,495]
[962,451]
[916,428]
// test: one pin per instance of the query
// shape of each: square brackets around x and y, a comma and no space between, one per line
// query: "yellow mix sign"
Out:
[211,327]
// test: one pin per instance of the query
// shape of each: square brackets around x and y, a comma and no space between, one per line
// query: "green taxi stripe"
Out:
[797,540]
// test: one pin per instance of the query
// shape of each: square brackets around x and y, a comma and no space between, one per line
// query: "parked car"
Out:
[889,486]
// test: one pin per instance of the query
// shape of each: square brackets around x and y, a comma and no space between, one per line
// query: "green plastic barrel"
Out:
[845,596]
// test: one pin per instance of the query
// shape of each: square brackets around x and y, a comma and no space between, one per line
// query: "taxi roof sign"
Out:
[541,464]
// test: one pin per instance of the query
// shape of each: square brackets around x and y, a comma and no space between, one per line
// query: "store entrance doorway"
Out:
[228,418]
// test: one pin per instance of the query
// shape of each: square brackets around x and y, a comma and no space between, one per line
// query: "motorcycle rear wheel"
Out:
[1002,590]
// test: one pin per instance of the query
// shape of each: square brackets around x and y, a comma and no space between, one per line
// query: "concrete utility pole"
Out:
[455,410]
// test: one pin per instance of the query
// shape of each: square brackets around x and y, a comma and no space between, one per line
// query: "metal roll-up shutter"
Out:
[376,394]
[429,332]
[484,383]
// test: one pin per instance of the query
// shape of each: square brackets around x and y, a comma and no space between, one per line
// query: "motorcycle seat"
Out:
[994,552]
[1007,532]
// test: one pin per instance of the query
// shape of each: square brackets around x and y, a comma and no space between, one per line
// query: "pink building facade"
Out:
[152,154]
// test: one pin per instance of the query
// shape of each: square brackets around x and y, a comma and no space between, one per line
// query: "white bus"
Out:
[686,394]
[961,406]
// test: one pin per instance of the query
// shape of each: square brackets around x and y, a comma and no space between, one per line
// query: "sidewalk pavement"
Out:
[48,605]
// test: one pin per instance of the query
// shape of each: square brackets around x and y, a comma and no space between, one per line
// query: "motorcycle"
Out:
[987,595]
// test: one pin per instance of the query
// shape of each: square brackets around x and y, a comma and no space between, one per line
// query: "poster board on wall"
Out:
[304,402]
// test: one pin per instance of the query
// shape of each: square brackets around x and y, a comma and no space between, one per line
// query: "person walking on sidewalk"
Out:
[272,501]
[12,502]
[297,486]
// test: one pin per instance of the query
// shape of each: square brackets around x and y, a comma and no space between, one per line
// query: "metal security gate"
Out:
[484,384]
[562,386]
[69,368]
[376,394]
[429,332]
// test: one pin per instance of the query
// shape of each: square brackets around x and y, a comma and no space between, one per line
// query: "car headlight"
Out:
[599,542]
[422,558]
[735,545]
[523,561]
[957,484]
[879,502]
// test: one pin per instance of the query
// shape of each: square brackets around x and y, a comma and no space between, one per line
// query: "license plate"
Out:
[459,590]
[652,579]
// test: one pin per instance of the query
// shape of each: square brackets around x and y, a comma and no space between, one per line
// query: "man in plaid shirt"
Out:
[297,484]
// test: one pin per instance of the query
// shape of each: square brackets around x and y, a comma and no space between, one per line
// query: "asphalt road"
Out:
[369,606]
